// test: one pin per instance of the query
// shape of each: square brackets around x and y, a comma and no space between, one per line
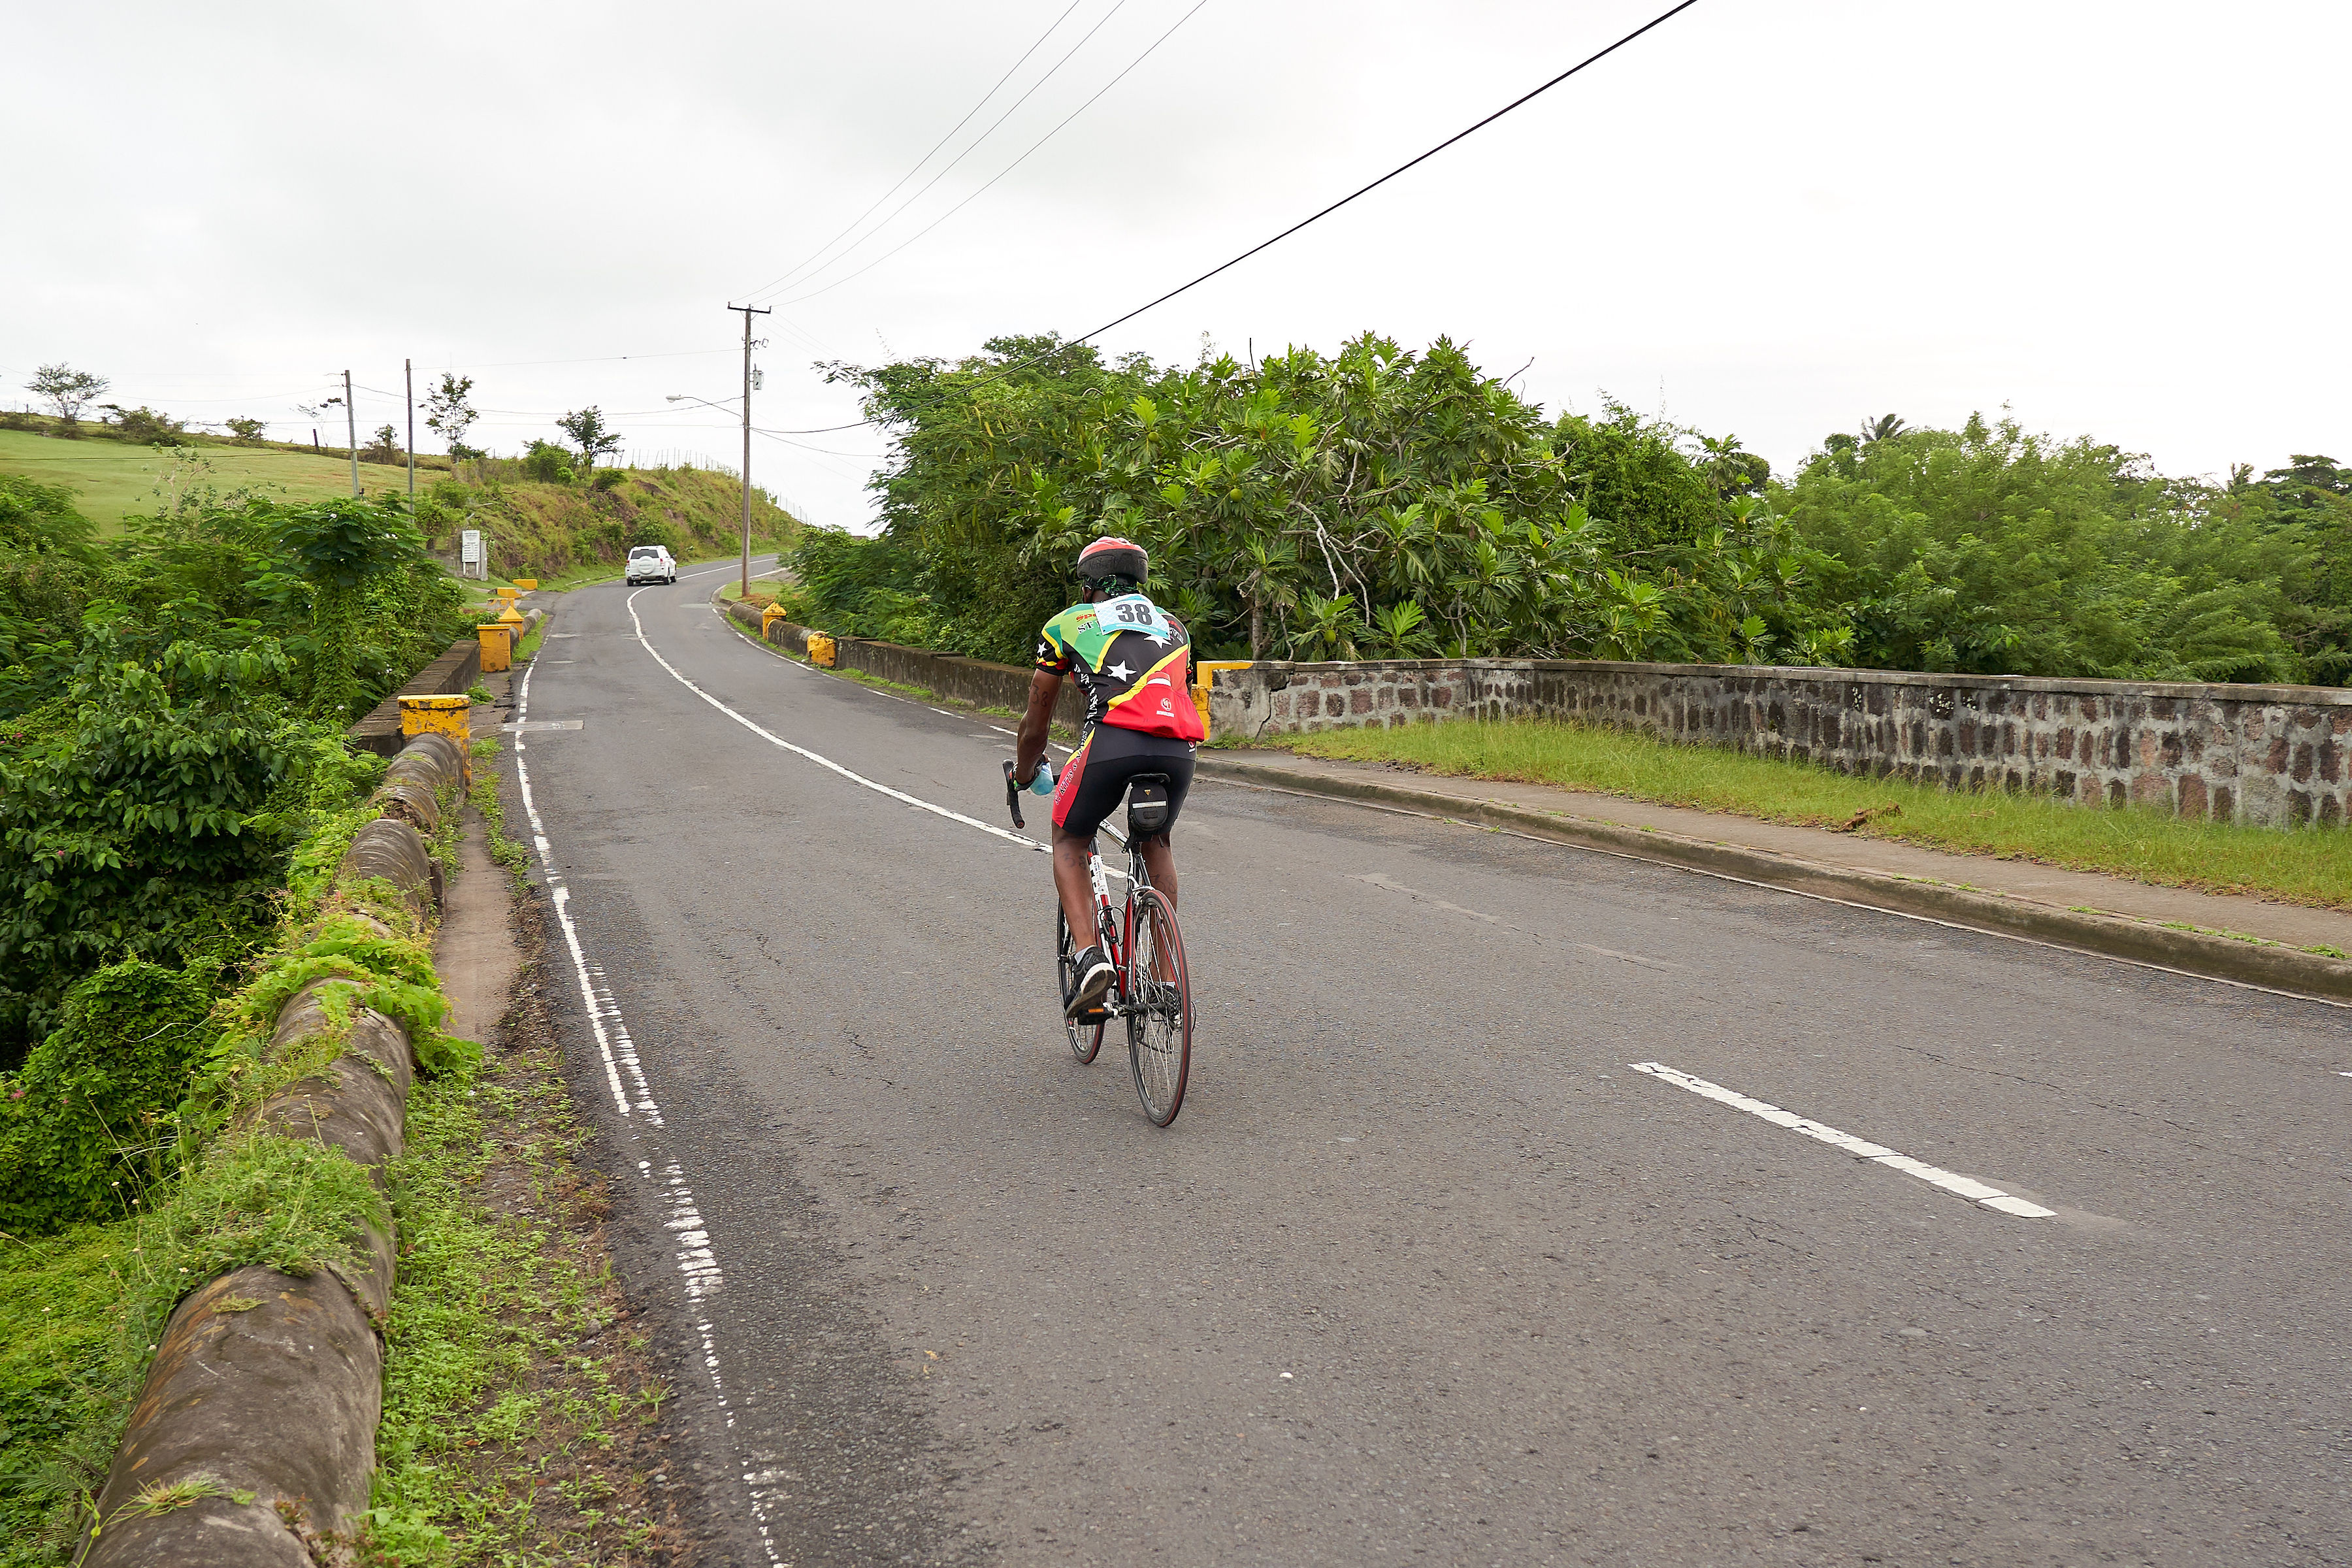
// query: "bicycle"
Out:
[1150,988]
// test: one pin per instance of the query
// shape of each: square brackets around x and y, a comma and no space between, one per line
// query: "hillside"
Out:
[553,531]
[114,479]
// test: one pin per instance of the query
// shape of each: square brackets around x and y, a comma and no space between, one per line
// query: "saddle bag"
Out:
[1146,806]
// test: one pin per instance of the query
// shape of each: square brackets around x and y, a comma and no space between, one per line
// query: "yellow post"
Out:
[528,584]
[1201,673]
[450,716]
[498,647]
[768,617]
[821,649]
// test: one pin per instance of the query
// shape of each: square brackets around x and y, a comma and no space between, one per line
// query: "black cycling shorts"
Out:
[1095,778]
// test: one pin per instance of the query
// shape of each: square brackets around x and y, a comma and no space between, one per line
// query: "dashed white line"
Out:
[1934,1175]
[691,1251]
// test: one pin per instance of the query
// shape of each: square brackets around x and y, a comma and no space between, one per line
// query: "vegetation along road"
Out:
[1529,1205]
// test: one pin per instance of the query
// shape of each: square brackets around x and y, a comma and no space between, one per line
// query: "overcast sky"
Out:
[1765,218]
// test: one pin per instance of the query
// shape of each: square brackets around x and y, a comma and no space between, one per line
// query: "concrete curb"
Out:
[266,1388]
[2269,965]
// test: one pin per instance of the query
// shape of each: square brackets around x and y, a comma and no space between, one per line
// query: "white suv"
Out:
[651,563]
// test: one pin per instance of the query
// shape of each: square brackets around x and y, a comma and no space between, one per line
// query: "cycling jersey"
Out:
[1132,660]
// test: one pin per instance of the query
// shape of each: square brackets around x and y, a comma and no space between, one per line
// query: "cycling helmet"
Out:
[1111,558]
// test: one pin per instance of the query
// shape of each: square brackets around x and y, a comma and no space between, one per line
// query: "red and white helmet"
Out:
[1111,556]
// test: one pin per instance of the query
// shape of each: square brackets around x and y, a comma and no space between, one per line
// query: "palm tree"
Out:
[1885,428]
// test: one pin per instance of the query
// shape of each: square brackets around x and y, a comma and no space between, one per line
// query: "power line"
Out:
[794,269]
[1660,19]
[983,137]
[1008,168]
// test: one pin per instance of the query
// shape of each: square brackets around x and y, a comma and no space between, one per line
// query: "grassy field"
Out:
[2310,867]
[113,481]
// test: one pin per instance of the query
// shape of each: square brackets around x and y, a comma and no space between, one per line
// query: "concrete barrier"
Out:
[259,1410]
[456,670]
[2278,756]
[978,682]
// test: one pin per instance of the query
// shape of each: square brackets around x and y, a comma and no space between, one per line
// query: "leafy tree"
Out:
[341,547]
[586,428]
[383,445]
[66,389]
[246,428]
[1885,428]
[449,411]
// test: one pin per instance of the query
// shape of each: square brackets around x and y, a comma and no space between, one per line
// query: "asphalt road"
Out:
[1425,1273]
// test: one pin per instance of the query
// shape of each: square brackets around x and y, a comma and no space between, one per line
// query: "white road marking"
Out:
[692,1252]
[819,759]
[1965,1187]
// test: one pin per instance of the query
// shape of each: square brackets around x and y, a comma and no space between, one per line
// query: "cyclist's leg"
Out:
[1081,801]
[1072,885]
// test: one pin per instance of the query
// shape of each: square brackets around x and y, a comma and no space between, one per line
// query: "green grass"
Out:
[69,1369]
[2309,867]
[112,480]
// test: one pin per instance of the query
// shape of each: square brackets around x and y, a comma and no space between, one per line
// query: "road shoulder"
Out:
[2245,941]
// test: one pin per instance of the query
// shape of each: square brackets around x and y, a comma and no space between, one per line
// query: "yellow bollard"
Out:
[768,617]
[1200,674]
[498,647]
[528,584]
[450,716]
[821,649]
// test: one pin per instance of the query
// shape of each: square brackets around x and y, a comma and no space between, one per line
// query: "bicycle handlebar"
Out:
[1013,794]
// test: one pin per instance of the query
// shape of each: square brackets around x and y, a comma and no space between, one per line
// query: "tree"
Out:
[586,428]
[66,389]
[449,412]
[340,547]
[1885,427]
[246,428]
[383,445]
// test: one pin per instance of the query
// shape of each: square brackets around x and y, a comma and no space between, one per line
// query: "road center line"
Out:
[823,761]
[1934,1175]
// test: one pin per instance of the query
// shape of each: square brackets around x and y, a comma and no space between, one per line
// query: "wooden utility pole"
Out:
[351,418]
[408,368]
[749,312]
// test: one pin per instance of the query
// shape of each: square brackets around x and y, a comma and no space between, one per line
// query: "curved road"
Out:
[1426,1273]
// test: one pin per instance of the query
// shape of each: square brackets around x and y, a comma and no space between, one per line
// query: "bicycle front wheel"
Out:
[1158,1005]
[1086,1039]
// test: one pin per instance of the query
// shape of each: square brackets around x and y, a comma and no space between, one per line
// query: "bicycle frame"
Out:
[1110,922]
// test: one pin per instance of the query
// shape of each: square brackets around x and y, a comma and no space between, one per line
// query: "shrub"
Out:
[547,463]
[148,427]
[81,1126]
[246,428]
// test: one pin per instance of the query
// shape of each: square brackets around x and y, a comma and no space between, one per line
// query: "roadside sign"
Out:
[469,547]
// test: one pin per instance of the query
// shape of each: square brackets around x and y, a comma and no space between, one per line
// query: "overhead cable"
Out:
[917,167]
[1003,371]
[983,137]
[1008,168]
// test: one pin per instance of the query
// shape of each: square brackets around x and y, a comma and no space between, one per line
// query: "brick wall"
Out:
[2275,755]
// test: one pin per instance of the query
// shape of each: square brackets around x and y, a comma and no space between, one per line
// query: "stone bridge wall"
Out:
[2274,755]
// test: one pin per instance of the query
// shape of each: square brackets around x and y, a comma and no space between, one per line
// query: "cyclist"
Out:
[1133,662]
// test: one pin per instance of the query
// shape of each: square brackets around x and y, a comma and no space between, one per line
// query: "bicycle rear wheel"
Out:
[1160,1005]
[1086,1039]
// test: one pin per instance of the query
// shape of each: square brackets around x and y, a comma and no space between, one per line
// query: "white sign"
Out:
[469,547]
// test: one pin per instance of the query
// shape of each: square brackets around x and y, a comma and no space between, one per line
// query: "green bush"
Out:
[547,463]
[82,1127]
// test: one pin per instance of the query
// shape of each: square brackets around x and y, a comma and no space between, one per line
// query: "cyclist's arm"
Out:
[1029,745]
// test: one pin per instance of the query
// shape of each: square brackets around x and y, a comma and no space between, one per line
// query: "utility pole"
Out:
[408,368]
[749,312]
[351,418]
